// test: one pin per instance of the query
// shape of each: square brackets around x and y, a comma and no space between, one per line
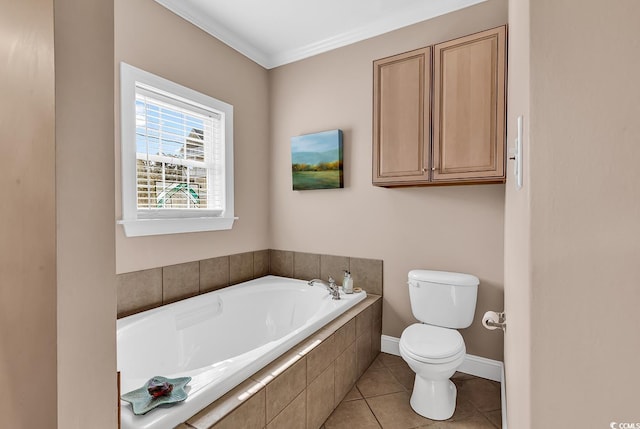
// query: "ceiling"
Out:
[277,32]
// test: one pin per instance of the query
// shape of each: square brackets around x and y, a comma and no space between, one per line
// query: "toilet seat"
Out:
[432,344]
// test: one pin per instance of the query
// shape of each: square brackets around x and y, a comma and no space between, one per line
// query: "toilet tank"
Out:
[443,298]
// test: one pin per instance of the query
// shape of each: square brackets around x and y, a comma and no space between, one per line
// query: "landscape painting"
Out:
[316,161]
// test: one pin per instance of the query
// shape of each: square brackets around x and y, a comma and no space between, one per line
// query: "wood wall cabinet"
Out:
[446,126]
[402,131]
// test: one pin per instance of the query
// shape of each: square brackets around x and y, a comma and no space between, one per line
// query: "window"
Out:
[177,157]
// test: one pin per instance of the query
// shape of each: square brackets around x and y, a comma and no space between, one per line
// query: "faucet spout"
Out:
[331,286]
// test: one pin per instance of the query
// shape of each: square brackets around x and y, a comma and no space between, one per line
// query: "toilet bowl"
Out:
[434,349]
[434,354]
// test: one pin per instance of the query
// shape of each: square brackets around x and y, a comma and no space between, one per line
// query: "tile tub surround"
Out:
[142,290]
[301,388]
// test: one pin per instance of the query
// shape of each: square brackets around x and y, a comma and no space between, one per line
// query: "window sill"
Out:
[145,227]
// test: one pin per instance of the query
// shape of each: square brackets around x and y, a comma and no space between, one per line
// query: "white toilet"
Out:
[443,302]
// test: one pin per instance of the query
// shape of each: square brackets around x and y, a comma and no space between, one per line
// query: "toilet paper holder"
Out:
[495,320]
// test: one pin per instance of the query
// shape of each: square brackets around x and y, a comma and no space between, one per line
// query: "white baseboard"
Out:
[473,365]
[503,397]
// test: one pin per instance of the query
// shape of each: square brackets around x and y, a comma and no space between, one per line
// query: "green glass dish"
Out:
[142,402]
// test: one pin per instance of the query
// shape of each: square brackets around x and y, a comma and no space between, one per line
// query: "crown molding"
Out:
[402,18]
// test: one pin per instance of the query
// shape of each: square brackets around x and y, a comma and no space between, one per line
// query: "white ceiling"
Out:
[277,32]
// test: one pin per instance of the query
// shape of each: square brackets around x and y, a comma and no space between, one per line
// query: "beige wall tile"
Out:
[240,267]
[346,372]
[376,337]
[363,353]
[320,398]
[293,416]
[249,415]
[364,322]
[260,263]
[284,388]
[367,274]
[180,281]
[377,310]
[334,266]
[345,336]
[306,266]
[214,274]
[138,291]
[281,263]
[228,403]
[320,357]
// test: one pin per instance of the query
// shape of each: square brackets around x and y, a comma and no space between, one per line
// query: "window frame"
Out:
[142,223]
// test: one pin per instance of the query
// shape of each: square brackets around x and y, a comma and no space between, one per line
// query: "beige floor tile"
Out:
[392,360]
[483,394]
[495,417]
[475,422]
[404,375]
[462,376]
[352,395]
[375,382]
[478,401]
[464,409]
[394,412]
[377,362]
[351,415]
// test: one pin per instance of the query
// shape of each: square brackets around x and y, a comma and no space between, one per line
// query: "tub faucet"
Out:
[331,286]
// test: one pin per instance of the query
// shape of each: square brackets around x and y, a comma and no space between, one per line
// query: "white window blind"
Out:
[177,157]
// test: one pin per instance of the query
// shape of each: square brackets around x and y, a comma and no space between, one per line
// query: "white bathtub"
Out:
[219,339]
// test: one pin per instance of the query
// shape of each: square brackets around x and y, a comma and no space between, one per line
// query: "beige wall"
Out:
[150,37]
[86,290]
[27,229]
[517,267]
[585,213]
[458,228]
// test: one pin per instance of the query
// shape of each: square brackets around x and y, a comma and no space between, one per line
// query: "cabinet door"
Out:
[401,118]
[469,108]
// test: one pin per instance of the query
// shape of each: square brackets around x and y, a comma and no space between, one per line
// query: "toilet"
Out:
[434,349]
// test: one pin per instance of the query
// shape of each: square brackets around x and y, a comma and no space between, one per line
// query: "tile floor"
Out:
[380,399]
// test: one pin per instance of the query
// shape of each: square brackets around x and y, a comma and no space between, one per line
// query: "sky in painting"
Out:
[318,142]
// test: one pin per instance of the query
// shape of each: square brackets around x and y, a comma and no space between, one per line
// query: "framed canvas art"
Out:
[316,161]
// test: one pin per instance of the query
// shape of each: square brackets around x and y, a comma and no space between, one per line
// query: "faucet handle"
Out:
[331,281]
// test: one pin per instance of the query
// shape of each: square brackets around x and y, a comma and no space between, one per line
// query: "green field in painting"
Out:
[305,180]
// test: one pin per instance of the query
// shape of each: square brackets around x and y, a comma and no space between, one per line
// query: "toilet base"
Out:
[434,399]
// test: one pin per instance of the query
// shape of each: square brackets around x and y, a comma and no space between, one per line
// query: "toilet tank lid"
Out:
[444,277]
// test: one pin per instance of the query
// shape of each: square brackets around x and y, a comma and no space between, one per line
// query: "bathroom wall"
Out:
[517,255]
[154,39]
[585,213]
[27,214]
[86,292]
[456,228]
